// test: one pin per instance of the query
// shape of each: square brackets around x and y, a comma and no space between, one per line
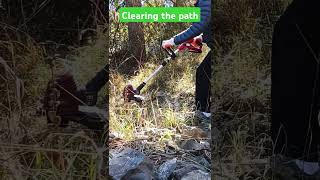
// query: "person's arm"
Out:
[196,28]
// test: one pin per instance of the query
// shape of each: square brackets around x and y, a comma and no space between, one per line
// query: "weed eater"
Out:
[193,45]
[64,102]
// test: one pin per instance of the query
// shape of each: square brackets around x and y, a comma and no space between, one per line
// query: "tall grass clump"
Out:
[29,148]
[242,86]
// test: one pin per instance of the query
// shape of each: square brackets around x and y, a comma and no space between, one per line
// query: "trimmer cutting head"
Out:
[129,94]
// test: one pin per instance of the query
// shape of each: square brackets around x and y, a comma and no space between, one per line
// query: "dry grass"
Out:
[242,87]
[28,148]
[170,98]
[154,127]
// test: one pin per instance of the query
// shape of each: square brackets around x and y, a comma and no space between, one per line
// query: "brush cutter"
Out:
[63,102]
[193,45]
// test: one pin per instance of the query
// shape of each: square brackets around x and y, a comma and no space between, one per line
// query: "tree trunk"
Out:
[179,3]
[136,46]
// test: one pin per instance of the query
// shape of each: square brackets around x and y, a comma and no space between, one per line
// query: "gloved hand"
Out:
[168,43]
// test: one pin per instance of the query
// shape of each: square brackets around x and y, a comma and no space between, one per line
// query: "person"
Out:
[203,73]
[295,91]
[89,94]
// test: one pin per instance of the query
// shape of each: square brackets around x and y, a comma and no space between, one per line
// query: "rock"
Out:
[203,161]
[193,145]
[130,164]
[178,174]
[142,172]
[193,132]
[166,169]
[206,127]
[115,135]
[196,174]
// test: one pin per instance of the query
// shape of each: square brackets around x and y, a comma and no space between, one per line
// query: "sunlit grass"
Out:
[170,97]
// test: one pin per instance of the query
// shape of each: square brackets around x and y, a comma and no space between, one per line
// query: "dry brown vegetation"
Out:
[242,87]
[158,127]
[29,149]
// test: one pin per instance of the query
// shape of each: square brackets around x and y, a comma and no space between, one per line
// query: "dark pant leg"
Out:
[203,77]
[295,86]
[97,82]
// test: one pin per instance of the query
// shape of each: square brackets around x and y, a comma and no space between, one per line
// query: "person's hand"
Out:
[168,43]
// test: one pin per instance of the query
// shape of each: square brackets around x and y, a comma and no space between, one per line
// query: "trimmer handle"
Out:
[170,52]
